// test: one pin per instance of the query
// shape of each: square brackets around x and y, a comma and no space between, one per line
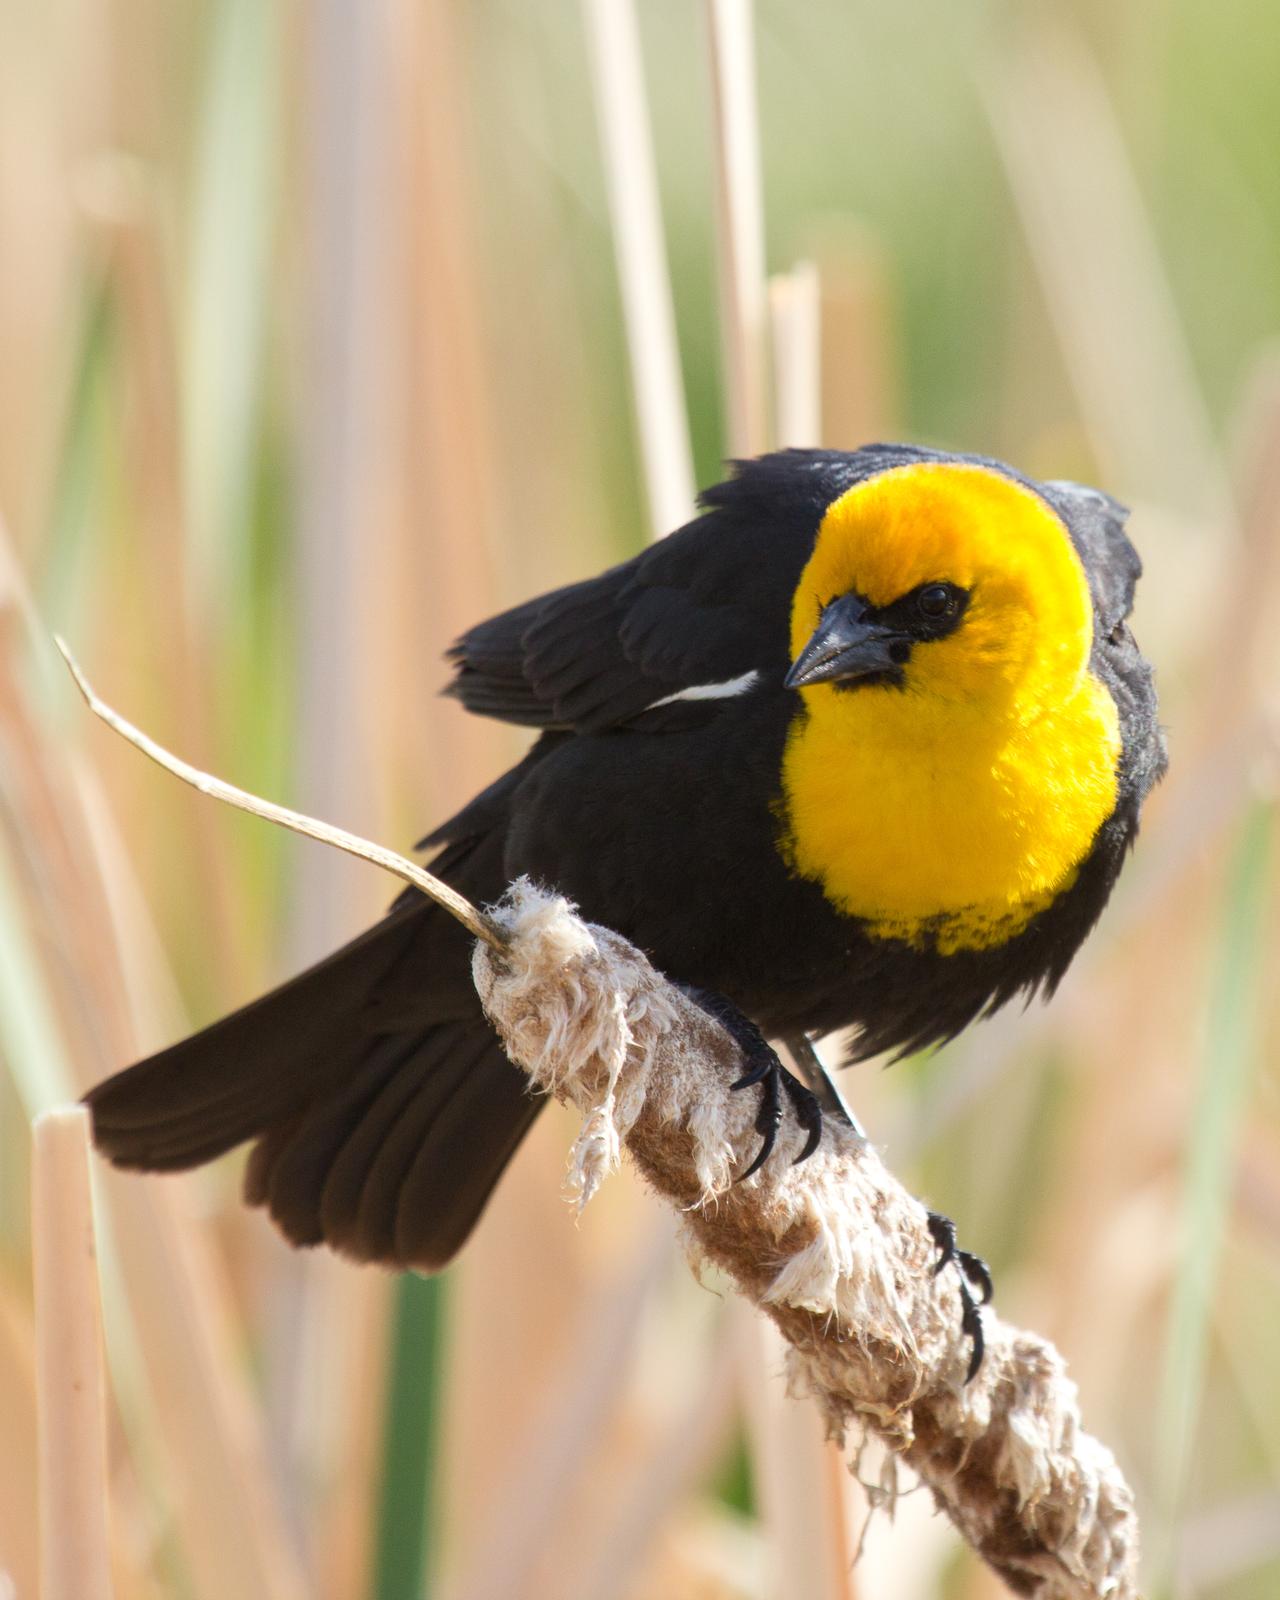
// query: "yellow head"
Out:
[954,757]
[1023,623]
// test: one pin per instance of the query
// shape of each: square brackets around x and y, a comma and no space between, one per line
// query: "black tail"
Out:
[382,1105]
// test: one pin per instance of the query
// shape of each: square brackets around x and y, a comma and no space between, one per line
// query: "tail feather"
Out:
[398,1111]
[381,1105]
[362,1188]
[474,1137]
[288,1164]
[397,1167]
[211,1092]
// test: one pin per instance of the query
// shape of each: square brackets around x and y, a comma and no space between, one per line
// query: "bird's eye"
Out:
[936,600]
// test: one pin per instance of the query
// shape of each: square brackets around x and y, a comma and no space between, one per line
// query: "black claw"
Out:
[762,1156]
[971,1323]
[811,1143]
[978,1274]
[763,1067]
[808,1110]
[758,1073]
[768,1118]
[972,1270]
[943,1232]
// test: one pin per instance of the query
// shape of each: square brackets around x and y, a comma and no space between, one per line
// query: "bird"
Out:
[861,747]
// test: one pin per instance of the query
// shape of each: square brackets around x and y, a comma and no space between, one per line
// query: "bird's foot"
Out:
[763,1067]
[974,1275]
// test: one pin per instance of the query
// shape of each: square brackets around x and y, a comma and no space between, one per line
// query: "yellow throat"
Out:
[951,809]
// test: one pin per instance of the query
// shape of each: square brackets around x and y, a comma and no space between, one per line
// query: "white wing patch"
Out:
[710,691]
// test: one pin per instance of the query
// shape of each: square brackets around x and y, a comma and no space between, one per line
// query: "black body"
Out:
[383,1107]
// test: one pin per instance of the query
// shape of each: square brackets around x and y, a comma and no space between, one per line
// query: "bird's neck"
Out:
[943,828]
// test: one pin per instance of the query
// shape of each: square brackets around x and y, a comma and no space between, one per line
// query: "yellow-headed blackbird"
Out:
[863,745]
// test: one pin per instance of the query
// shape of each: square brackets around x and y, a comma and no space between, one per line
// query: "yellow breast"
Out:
[958,833]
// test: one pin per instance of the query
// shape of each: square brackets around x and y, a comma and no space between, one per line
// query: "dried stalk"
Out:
[473,920]
[835,1251]
[739,224]
[74,1552]
[626,150]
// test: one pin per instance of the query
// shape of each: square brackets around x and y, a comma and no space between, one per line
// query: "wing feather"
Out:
[707,605]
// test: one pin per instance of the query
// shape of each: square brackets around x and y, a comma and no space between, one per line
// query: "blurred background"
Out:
[312,351]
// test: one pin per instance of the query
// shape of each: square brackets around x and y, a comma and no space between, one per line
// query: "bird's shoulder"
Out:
[681,630]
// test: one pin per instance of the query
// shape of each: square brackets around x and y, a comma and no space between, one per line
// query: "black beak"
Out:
[847,644]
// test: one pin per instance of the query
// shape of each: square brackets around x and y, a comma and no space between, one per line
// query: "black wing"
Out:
[707,606]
